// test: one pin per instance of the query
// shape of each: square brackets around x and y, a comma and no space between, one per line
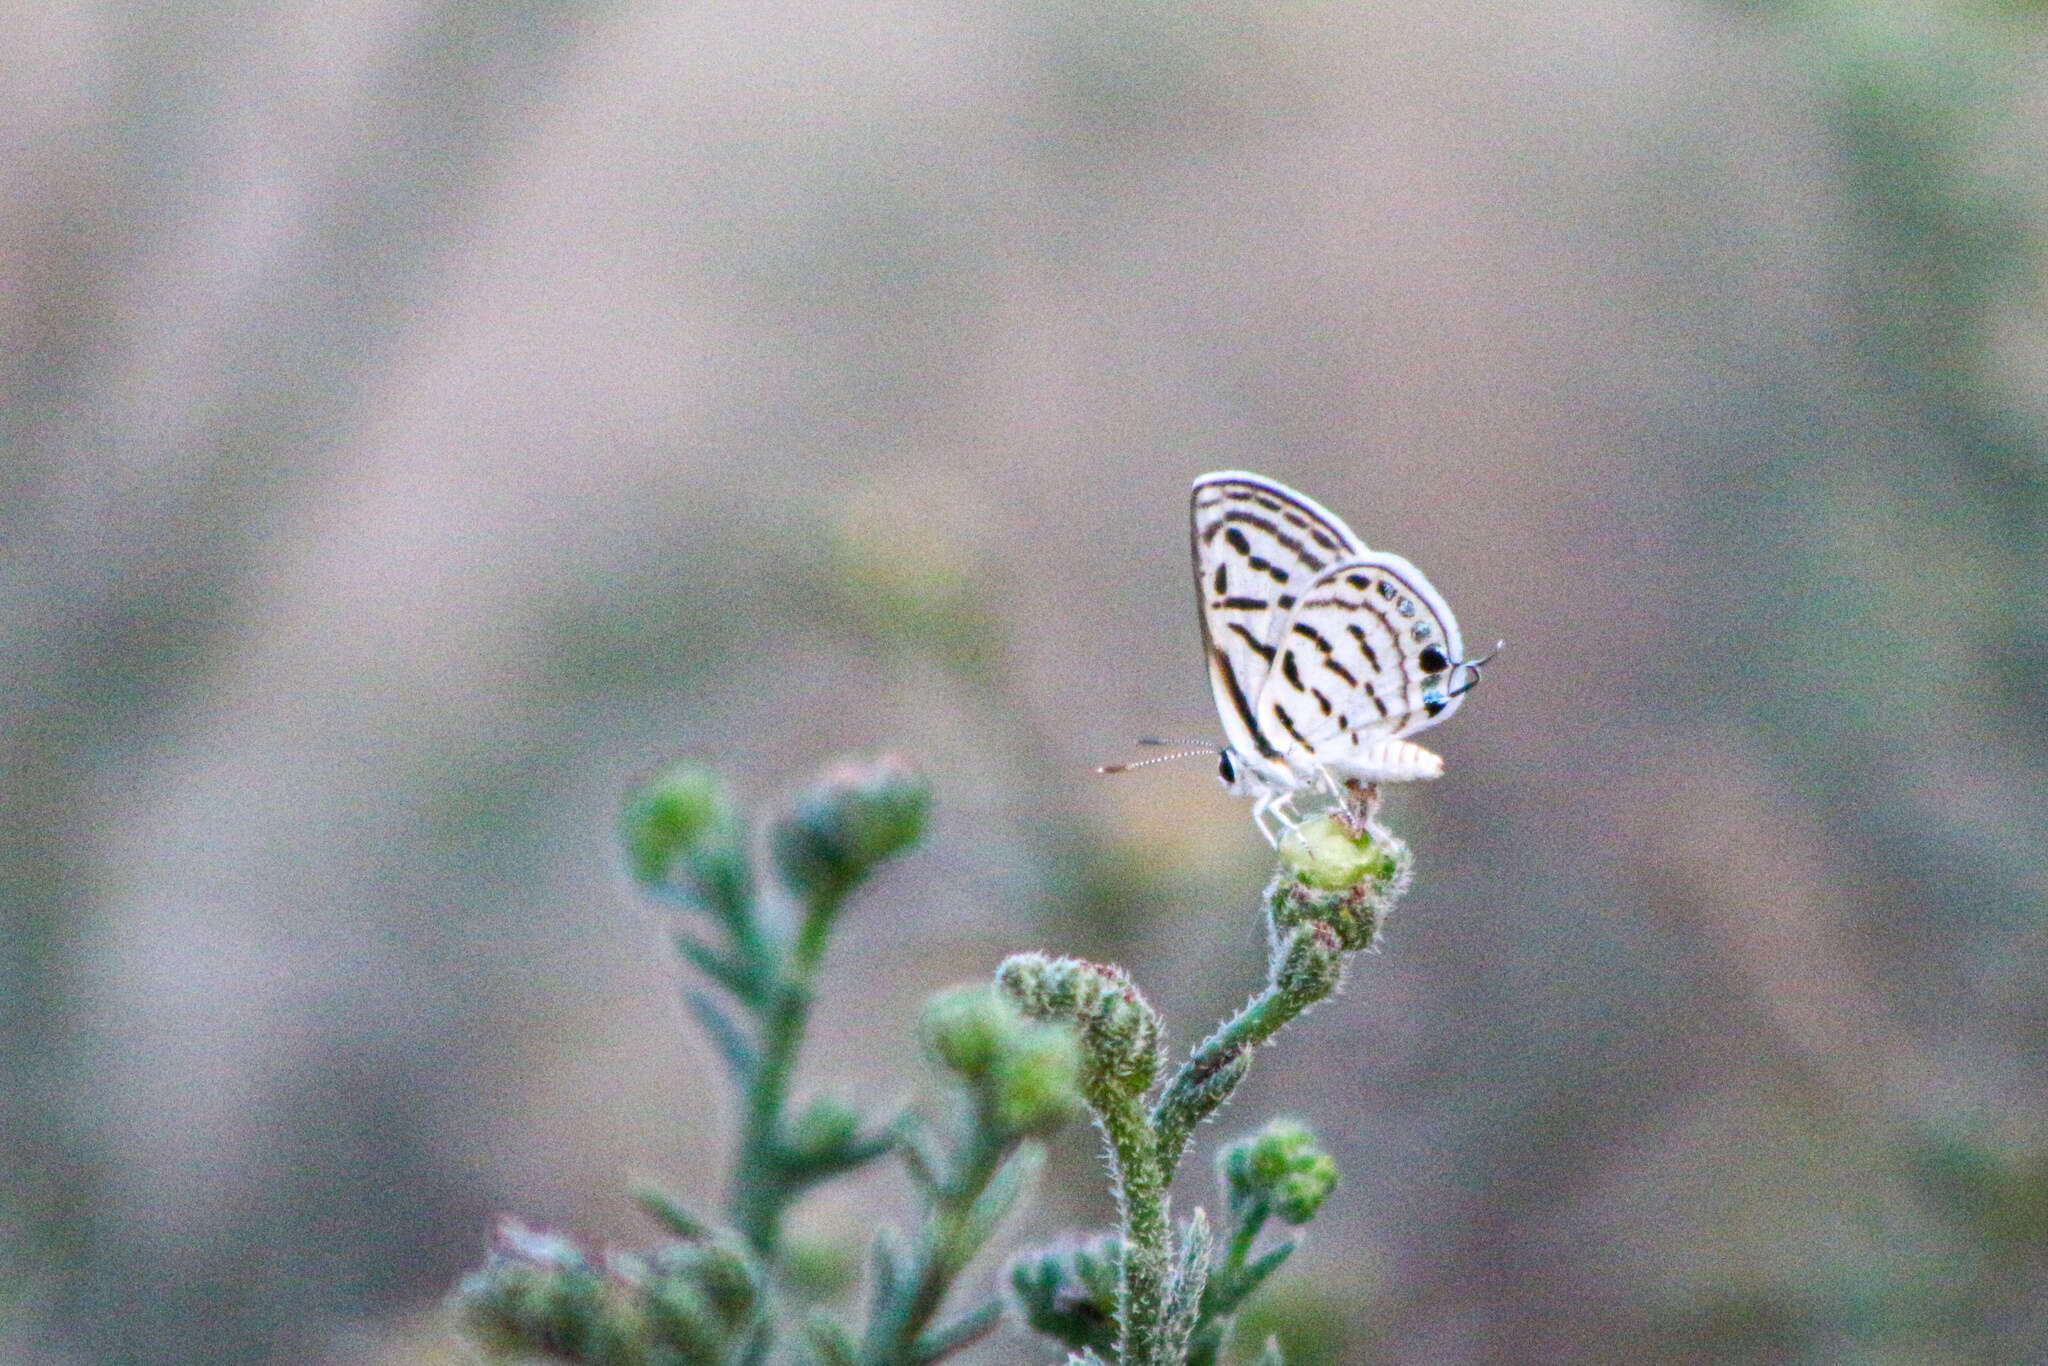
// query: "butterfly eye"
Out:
[1226,770]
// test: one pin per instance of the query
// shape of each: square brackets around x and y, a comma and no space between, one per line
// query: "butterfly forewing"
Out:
[1365,656]
[1257,546]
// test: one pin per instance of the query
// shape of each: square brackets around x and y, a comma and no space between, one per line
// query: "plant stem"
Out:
[943,1250]
[1189,1097]
[761,1185]
[1147,1158]
[1142,1181]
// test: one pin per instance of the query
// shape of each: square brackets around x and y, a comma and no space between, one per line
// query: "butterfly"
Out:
[1323,654]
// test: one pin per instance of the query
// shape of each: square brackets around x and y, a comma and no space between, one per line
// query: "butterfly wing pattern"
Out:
[1257,545]
[1322,653]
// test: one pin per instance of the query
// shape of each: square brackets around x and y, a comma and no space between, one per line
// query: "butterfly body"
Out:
[1323,654]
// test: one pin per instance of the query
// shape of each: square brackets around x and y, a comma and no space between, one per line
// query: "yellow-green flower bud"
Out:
[1034,1086]
[963,1029]
[1348,881]
[824,1130]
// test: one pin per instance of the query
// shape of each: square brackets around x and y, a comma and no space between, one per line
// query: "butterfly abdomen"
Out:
[1389,761]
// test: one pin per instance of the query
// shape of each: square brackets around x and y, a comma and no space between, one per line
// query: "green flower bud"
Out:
[1024,1073]
[852,818]
[1120,1032]
[1035,1083]
[822,1132]
[963,1028]
[537,1293]
[669,815]
[1348,881]
[722,1273]
[1281,1165]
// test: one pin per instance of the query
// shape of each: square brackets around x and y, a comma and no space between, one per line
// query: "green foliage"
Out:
[728,1291]
[1174,1302]
[1025,1055]
[692,1301]
[1069,1292]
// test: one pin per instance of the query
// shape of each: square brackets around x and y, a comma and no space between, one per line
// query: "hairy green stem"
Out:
[1205,1080]
[1304,967]
[1142,1182]
[1192,1095]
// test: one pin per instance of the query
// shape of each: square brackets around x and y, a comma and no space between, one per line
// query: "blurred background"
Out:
[421,418]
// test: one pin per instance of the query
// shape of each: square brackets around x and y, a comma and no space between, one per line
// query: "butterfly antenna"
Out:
[1475,665]
[1199,748]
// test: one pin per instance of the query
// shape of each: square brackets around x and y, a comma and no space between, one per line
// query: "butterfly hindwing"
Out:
[1364,656]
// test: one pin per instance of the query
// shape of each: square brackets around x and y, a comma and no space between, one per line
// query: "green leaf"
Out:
[722,968]
[887,1256]
[1270,1356]
[920,1153]
[832,1343]
[1184,1295]
[664,1209]
[1254,1275]
[959,1331]
[734,1049]
[997,1197]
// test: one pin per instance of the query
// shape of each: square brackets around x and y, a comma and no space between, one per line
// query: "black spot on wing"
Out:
[1259,647]
[1302,628]
[1288,722]
[1289,671]
[1359,635]
[1268,568]
[1245,604]
[1294,547]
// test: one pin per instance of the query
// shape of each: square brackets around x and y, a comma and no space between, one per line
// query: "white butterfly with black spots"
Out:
[1323,654]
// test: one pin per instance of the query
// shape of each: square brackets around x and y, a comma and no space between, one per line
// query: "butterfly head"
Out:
[1226,770]
[1471,680]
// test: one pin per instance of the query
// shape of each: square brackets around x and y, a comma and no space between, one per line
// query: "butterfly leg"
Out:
[1270,820]
[1285,817]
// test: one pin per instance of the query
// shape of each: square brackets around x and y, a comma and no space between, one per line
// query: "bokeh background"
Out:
[421,418]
